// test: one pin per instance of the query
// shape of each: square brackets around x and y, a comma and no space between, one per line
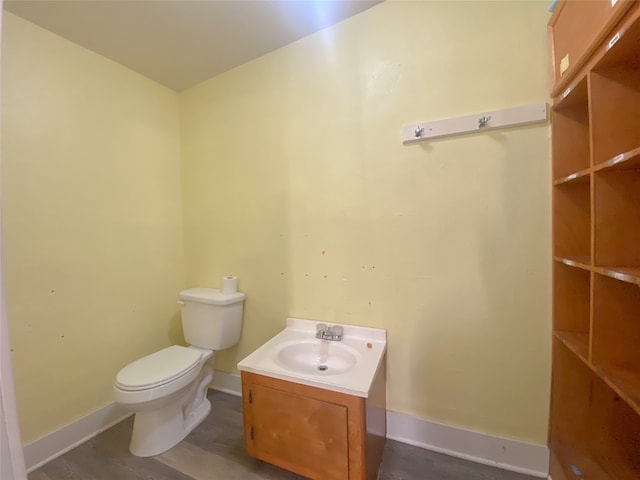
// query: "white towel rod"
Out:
[485,121]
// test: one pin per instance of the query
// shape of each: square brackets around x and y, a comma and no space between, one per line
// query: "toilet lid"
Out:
[158,368]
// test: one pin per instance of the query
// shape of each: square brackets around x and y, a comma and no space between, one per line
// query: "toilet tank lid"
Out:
[212,296]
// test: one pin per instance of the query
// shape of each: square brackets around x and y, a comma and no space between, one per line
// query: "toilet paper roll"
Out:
[229,284]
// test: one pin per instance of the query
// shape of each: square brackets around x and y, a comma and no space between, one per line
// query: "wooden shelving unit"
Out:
[595,402]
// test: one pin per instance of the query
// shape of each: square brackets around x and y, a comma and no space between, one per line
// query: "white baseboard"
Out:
[70,436]
[521,457]
[227,383]
[503,453]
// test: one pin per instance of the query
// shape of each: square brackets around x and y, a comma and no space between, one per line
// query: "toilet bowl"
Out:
[167,389]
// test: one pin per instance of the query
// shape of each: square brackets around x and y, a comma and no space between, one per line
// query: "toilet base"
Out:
[156,431]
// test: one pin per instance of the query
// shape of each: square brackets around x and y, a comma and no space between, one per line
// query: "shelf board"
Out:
[556,466]
[624,274]
[575,95]
[583,262]
[622,45]
[624,382]
[577,342]
[625,161]
[578,177]
[565,457]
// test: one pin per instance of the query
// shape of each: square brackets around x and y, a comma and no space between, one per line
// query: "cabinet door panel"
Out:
[300,432]
[576,28]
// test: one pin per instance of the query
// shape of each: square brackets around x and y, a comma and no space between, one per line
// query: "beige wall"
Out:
[295,180]
[92,222]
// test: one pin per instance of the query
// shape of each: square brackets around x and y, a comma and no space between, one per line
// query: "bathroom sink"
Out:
[317,357]
[295,355]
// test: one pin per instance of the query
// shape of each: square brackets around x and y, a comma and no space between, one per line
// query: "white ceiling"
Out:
[182,43]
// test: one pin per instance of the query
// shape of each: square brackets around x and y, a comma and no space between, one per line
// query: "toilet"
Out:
[167,390]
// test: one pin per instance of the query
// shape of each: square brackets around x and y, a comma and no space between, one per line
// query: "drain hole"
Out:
[322,368]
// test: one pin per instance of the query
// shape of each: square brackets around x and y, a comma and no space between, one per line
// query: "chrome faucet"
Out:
[329,332]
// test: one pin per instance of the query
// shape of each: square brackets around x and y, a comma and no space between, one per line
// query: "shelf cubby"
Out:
[570,416]
[617,218]
[570,117]
[614,434]
[593,431]
[616,336]
[614,85]
[615,101]
[572,220]
[571,294]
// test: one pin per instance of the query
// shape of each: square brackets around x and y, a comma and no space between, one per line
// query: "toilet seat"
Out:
[158,369]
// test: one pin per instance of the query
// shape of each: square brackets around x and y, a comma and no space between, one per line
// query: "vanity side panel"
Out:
[357,428]
[247,417]
[376,413]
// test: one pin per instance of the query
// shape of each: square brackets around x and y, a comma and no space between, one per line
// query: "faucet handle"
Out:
[321,329]
[337,332]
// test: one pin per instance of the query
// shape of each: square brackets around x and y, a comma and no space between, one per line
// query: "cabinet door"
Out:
[299,433]
[575,29]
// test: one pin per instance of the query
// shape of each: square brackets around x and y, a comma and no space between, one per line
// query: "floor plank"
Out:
[205,465]
[39,475]
[215,451]
[402,461]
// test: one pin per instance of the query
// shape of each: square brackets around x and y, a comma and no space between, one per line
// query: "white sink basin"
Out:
[317,357]
[295,355]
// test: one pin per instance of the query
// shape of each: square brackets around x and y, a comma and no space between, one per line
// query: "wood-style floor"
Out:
[215,451]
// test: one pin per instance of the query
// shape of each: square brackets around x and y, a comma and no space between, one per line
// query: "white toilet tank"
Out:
[211,319]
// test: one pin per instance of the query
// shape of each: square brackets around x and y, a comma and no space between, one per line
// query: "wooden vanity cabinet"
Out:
[318,433]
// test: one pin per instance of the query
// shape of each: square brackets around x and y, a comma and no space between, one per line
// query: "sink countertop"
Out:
[357,381]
